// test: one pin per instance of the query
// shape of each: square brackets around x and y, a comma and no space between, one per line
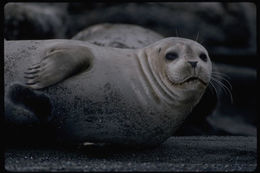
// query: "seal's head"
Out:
[183,65]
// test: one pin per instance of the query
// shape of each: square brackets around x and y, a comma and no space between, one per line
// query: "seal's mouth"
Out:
[190,80]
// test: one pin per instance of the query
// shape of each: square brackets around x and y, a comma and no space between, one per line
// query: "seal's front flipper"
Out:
[61,62]
[36,102]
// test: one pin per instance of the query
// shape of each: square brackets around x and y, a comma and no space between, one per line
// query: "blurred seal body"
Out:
[111,95]
[118,35]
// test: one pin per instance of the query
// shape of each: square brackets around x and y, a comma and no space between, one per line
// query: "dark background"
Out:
[227,30]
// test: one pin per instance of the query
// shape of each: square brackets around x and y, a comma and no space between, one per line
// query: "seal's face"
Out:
[187,64]
[183,63]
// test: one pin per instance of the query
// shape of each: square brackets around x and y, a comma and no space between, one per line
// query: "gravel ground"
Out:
[213,153]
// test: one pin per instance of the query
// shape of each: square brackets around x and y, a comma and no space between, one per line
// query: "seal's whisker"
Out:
[220,82]
[212,88]
[222,78]
[224,87]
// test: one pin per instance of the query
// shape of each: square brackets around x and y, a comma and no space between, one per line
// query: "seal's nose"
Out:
[193,63]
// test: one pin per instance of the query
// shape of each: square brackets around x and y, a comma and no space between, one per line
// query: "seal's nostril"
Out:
[193,63]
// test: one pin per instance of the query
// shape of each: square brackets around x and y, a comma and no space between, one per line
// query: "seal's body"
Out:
[110,95]
[118,35]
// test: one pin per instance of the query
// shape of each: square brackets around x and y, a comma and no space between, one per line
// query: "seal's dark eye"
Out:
[203,57]
[171,56]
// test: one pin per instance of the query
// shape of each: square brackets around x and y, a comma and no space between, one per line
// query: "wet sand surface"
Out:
[190,153]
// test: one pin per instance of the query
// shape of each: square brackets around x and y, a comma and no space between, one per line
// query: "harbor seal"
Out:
[133,36]
[111,95]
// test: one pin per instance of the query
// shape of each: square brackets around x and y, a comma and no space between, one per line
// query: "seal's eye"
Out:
[203,57]
[171,56]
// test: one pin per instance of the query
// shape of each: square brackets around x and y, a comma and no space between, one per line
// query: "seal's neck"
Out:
[160,88]
[154,81]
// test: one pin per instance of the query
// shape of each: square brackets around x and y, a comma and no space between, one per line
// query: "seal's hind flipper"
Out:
[34,101]
[61,62]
